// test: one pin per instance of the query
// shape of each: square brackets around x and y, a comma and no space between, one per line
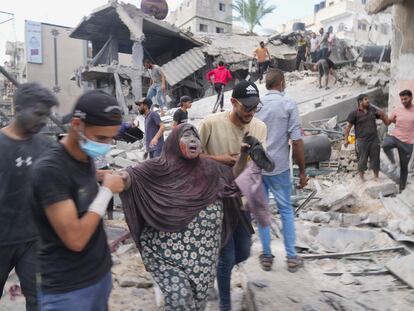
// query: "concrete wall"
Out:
[71,54]
[402,57]
[191,13]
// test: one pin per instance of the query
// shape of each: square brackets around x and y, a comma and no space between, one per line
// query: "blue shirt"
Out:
[281,116]
[152,126]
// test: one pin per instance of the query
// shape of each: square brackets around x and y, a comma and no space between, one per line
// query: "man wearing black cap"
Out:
[154,128]
[221,136]
[20,146]
[181,115]
[74,257]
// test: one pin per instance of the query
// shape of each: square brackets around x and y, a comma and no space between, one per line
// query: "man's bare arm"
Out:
[299,156]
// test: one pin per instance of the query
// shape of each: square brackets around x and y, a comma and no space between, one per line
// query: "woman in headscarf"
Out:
[174,210]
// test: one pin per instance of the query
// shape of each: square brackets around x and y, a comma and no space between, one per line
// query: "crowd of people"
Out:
[189,207]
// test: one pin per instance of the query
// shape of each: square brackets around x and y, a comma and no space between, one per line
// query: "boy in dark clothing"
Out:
[181,115]
[367,141]
[20,146]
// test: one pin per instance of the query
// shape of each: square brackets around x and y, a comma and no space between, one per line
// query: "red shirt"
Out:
[221,75]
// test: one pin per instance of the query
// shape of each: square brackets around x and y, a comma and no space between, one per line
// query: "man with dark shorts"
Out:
[402,137]
[367,141]
[263,58]
[181,115]
[75,260]
[20,146]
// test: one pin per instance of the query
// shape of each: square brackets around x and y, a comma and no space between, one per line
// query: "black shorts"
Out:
[368,150]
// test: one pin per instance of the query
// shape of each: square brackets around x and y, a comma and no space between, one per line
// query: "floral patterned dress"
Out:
[184,263]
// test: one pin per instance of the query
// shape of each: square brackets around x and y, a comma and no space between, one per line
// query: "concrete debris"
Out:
[335,198]
[403,268]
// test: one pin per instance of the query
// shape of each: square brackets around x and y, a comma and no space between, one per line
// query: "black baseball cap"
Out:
[247,93]
[145,101]
[185,99]
[98,108]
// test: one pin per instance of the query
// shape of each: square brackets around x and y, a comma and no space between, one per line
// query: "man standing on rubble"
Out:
[221,136]
[281,116]
[222,76]
[154,128]
[75,260]
[367,140]
[301,50]
[181,115]
[158,84]
[314,48]
[20,146]
[323,44]
[402,137]
[263,59]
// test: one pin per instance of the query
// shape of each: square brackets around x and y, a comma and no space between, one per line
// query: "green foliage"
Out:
[252,12]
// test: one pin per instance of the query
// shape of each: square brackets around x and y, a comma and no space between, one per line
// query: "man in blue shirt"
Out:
[154,128]
[281,116]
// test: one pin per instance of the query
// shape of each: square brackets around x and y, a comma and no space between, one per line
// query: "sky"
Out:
[69,13]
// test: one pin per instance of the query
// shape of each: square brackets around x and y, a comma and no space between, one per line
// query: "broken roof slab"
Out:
[123,20]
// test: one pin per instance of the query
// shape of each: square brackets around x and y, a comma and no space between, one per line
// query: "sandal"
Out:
[293,264]
[266,262]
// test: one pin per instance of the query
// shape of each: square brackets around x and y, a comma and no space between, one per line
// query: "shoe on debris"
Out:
[294,264]
[266,262]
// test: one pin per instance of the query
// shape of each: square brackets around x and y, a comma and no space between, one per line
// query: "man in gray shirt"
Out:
[158,85]
[281,116]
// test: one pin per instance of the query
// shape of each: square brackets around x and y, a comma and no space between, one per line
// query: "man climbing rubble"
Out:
[402,137]
[281,116]
[222,76]
[75,260]
[263,58]
[158,85]
[367,140]
[154,128]
[221,136]
[20,147]
[325,68]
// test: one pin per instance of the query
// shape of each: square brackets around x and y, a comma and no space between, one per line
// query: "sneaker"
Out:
[293,264]
[266,262]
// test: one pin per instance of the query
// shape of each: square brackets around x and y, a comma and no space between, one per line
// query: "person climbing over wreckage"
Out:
[177,209]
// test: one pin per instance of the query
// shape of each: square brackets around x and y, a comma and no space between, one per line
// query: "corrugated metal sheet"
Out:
[184,65]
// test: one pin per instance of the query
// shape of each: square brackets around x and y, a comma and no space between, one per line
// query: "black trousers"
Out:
[368,150]
[262,69]
[404,152]
[219,87]
[23,258]
[299,58]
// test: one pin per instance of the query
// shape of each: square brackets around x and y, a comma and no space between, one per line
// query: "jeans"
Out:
[234,252]
[91,298]
[22,257]
[299,58]
[404,152]
[280,186]
[156,90]
[154,153]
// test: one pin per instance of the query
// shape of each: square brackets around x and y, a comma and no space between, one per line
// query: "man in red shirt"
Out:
[402,137]
[222,76]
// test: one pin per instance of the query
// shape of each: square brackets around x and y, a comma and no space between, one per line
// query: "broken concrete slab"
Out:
[335,197]
[403,268]
[383,187]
